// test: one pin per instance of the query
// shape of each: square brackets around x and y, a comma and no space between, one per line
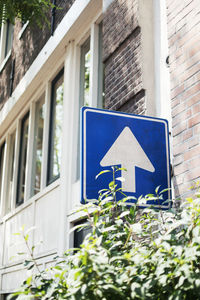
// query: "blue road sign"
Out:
[137,143]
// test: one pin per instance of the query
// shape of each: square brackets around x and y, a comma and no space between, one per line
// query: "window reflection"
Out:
[56,128]
[22,160]
[9,37]
[85,73]
[38,142]
[10,173]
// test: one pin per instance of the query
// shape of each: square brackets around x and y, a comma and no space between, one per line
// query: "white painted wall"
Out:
[47,210]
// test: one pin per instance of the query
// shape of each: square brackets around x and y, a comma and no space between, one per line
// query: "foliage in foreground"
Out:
[25,10]
[130,254]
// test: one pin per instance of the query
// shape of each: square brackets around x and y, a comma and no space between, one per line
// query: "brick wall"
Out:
[122,57]
[26,49]
[184,57]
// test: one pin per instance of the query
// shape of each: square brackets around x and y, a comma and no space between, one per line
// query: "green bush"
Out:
[130,254]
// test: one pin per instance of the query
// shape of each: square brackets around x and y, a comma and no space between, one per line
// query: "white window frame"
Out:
[70,186]
[3,56]
[43,91]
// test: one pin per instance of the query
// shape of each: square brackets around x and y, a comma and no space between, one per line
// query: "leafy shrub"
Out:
[130,254]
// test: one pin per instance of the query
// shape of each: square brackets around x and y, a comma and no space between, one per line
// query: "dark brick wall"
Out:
[26,49]
[122,57]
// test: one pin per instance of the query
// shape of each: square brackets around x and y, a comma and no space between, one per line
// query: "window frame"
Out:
[4,52]
[2,168]
[25,118]
[41,99]
[10,165]
[50,177]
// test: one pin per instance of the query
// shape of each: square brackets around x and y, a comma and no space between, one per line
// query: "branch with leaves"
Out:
[34,11]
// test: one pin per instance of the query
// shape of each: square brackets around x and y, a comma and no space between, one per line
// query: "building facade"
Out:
[135,56]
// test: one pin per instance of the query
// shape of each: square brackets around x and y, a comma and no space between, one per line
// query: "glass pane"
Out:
[80,234]
[38,141]
[10,173]
[2,152]
[100,103]
[9,37]
[85,73]
[56,128]
[84,91]
[22,160]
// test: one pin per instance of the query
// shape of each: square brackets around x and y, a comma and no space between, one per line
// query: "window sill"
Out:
[5,61]
[30,201]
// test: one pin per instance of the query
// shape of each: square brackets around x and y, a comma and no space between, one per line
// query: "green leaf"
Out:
[102,172]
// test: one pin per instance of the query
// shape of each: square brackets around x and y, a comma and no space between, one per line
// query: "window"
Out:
[9,38]
[91,77]
[38,150]
[6,39]
[80,233]
[55,136]
[10,174]
[22,160]
[2,153]
[85,73]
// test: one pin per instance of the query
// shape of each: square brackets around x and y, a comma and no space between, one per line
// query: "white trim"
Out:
[31,138]
[94,59]
[66,166]
[22,30]
[48,57]
[16,164]
[3,41]
[3,63]
[4,177]
[45,135]
[162,79]
[132,117]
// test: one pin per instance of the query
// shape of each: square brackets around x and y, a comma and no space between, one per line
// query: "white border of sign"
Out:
[101,111]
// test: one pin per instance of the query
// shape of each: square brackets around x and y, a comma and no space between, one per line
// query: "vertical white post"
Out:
[94,52]
[3,41]
[46,135]
[30,146]
[4,177]
[67,142]
[162,80]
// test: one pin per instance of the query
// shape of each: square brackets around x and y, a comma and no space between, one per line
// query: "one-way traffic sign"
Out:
[137,143]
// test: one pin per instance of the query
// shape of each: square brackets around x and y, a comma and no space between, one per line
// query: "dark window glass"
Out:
[55,136]
[9,37]
[80,233]
[22,160]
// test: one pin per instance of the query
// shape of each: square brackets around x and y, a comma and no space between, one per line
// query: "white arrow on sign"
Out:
[127,152]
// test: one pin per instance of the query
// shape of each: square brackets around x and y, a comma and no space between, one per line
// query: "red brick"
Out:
[180,169]
[191,91]
[193,121]
[196,109]
[196,129]
[180,148]
[192,153]
[179,128]
[193,100]
[187,134]
[177,91]
[194,174]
